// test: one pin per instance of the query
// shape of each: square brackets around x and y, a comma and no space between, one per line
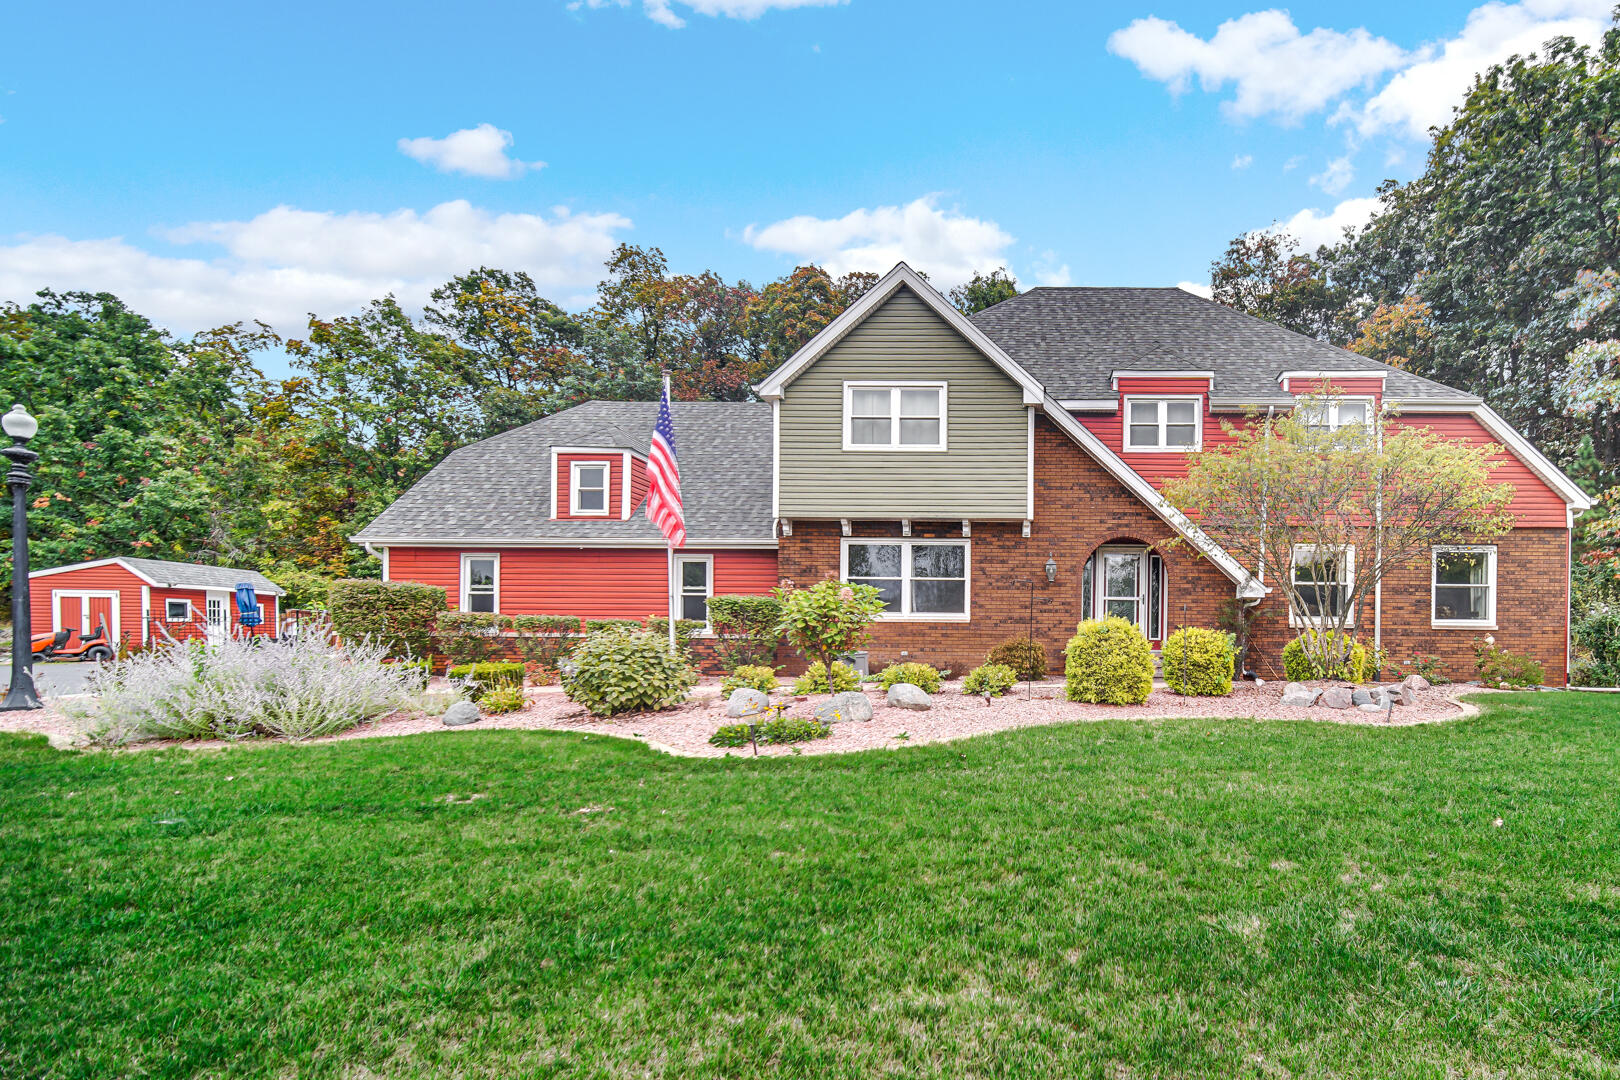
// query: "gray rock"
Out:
[1337,697]
[1298,696]
[850,705]
[1371,708]
[904,695]
[1400,694]
[746,701]
[462,712]
[1362,697]
[1415,682]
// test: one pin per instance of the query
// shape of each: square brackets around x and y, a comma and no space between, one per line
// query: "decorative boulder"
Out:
[904,695]
[1362,697]
[1337,697]
[1400,694]
[850,705]
[460,713]
[746,701]
[1298,696]
[1415,683]
[1374,708]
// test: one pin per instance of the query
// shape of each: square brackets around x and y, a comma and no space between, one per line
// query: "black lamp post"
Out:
[21,427]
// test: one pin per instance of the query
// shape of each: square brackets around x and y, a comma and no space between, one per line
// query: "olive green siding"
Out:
[983,473]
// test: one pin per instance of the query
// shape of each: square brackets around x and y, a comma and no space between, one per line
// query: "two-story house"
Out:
[985,473]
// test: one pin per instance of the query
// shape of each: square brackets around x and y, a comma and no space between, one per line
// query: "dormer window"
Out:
[1335,413]
[588,489]
[894,416]
[1163,424]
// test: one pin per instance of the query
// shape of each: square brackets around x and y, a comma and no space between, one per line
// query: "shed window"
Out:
[177,611]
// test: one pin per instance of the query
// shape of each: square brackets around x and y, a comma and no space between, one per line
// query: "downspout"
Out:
[1378,535]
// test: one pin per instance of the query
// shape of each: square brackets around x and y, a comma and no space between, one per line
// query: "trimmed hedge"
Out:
[620,671]
[1108,662]
[814,679]
[751,676]
[992,679]
[543,639]
[923,676]
[1198,662]
[746,628]
[1026,657]
[596,626]
[469,637]
[684,631]
[398,616]
[1354,661]
[489,676]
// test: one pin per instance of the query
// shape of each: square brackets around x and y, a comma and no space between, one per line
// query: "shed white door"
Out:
[217,614]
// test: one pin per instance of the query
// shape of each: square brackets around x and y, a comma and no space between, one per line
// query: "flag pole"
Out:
[669,545]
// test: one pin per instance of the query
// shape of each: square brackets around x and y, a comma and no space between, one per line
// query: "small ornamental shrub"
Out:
[1198,662]
[620,671]
[1108,662]
[488,676]
[1504,668]
[684,629]
[992,679]
[1026,657]
[780,731]
[396,615]
[746,629]
[922,676]
[594,626]
[829,619]
[504,699]
[1597,639]
[1424,665]
[815,681]
[543,639]
[1354,661]
[752,677]
[469,637]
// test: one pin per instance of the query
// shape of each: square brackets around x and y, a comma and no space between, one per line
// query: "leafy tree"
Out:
[829,618]
[984,290]
[1263,275]
[795,308]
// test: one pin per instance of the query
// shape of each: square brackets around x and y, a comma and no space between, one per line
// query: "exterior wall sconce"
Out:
[1051,569]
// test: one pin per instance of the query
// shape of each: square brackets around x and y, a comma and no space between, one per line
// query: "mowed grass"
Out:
[1090,900]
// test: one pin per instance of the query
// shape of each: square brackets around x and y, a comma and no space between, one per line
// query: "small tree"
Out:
[829,618]
[1347,503]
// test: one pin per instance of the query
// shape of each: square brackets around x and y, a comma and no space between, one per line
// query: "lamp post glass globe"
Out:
[18,424]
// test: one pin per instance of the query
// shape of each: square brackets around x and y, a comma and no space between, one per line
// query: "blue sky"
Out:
[213,162]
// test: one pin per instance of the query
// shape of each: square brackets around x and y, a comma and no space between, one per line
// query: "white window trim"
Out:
[573,487]
[1164,422]
[894,386]
[1331,404]
[1490,580]
[677,594]
[1295,621]
[905,615]
[170,618]
[467,556]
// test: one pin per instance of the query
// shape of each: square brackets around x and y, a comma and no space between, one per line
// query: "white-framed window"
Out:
[1324,583]
[1463,581]
[694,584]
[926,580]
[177,611]
[894,415]
[480,582]
[1331,414]
[1164,424]
[588,488]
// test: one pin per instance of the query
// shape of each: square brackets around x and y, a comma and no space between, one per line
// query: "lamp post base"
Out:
[22,696]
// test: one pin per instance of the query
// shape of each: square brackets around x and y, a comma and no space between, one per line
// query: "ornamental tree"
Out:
[829,618]
[1323,513]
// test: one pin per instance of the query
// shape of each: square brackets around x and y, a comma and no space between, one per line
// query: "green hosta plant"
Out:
[923,676]
[750,676]
[829,619]
[1198,662]
[1108,662]
[618,671]
[992,679]
[505,699]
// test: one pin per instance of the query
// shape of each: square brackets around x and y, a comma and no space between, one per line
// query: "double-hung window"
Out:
[1464,586]
[1324,581]
[480,583]
[1163,423]
[894,416]
[918,579]
[694,580]
[588,488]
[1331,414]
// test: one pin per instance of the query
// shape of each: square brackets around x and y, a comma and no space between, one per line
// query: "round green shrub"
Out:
[814,679]
[1026,657]
[505,699]
[1198,662]
[749,676]
[992,679]
[1354,662]
[489,676]
[923,676]
[619,671]
[1108,662]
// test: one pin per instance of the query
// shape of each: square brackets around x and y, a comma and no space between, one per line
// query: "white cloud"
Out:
[1054,276]
[1336,177]
[1312,228]
[1242,161]
[943,243]
[1424,94]
[664,12]
[1197,289]
[285,263]
[476,151]
[1275,69]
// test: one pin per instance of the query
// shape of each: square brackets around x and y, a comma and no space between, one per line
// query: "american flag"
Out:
[664,478]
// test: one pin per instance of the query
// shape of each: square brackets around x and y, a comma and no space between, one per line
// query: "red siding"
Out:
[638,484]
[605,583]
[1373,388]
[1534,503]
[111,577]
[565,476]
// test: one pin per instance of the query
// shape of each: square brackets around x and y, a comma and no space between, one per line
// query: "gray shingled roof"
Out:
[500,488]
[208,577]
[1073,339]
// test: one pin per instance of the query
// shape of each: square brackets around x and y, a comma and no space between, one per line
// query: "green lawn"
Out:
[1090,900]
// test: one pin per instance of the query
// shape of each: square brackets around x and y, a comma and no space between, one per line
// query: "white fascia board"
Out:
[482,542]
[1248,585]
[94,563]
[775,385]
[598,450]
[1089,404]
[1282,379]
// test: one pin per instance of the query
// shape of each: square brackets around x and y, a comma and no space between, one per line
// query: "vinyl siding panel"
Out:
[982,474]
[1535,505]
[110,578]
[565,477]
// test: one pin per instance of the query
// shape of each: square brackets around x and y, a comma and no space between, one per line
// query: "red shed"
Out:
[138,599]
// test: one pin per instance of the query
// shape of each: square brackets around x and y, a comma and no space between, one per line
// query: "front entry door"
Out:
[1121,574]
[1128,582]
[217,618]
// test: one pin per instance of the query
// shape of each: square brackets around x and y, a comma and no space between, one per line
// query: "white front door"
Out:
[1121,579]
[217,617]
